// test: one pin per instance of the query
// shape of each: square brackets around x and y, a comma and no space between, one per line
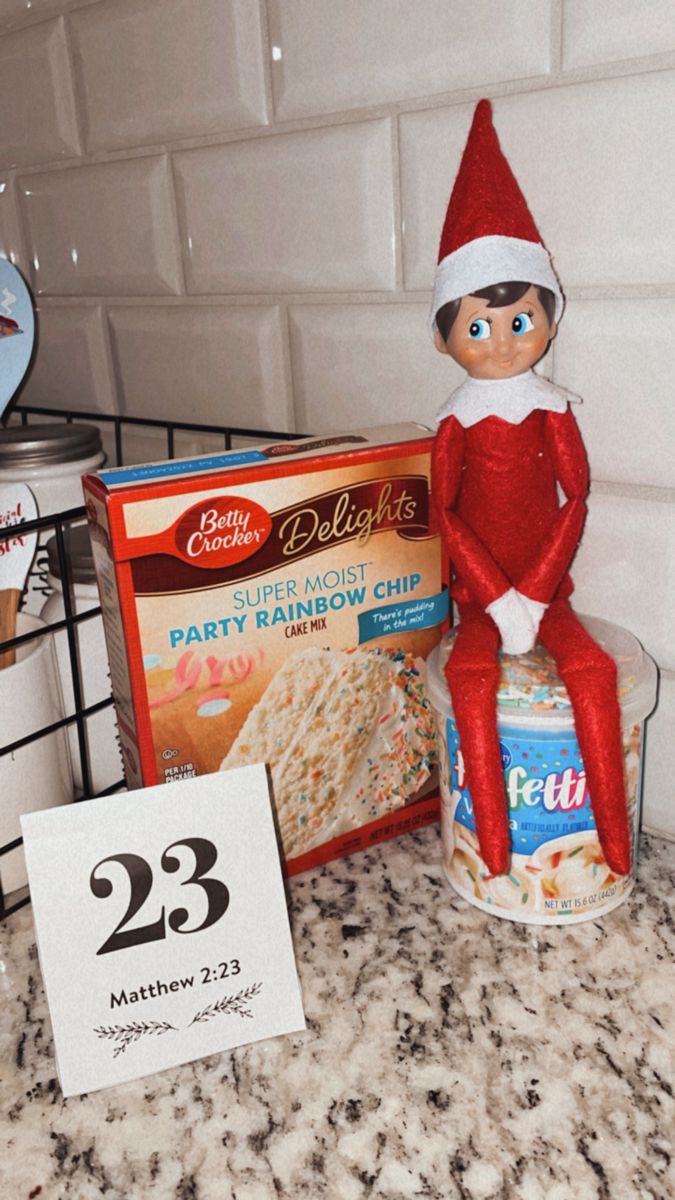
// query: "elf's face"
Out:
[498,343]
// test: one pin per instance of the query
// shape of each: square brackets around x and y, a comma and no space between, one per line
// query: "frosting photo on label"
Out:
[557,868]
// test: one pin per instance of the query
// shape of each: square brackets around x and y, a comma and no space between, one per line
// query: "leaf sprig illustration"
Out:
[126,1034]
[229,1004]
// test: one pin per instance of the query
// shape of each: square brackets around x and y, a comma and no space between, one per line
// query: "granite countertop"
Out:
[448,1054]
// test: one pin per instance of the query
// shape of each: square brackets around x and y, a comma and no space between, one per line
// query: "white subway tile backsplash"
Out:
[11,238]
[17,13]
[220,365]
[628,413]
[658,796]
[339,216]
[594,34]
[327,57]
[625,569]
[146,443]
[71,369]
[358,365]
[36,96]
[593,162]
[152,72]
[431,145]
[106,229]
[303,211]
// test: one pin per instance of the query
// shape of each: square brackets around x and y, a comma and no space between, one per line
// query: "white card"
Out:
[162,926]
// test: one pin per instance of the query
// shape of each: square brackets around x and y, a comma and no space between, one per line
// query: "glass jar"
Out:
[38,774]
[105,762]
[50,458]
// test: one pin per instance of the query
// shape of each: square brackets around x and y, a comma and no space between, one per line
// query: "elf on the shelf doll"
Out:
[506,442]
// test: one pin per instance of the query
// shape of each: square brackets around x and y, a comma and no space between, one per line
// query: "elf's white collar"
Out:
[511,399]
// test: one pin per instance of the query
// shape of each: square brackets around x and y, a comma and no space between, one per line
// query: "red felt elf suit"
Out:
[507,440]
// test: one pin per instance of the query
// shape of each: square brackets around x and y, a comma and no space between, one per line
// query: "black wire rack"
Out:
[58,523]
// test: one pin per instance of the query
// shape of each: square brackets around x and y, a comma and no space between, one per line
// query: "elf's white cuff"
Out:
[513,621]
[535,610]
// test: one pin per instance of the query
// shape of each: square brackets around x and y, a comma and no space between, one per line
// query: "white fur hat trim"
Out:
[489,260]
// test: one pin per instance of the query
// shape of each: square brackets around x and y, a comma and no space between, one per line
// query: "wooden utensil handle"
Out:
[9,604]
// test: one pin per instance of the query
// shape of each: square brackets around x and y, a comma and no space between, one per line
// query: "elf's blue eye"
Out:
[522,323]
[479,329]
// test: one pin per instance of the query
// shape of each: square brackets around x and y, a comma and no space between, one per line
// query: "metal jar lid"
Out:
[30,446]
[78,553]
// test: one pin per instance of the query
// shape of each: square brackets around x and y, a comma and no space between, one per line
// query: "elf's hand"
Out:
[512,618]
[535,609]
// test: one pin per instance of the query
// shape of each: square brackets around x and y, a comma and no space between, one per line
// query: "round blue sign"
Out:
[17,331]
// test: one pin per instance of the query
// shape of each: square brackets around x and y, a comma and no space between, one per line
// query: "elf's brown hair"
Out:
[498,295]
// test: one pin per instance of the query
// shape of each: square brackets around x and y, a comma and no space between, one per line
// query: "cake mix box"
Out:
[276,604]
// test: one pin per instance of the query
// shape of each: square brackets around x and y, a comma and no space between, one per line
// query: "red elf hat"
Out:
[489,235]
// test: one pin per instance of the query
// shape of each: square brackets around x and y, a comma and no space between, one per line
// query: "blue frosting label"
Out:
[546,790]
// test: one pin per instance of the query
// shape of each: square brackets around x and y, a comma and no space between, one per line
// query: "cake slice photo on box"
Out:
[348,737]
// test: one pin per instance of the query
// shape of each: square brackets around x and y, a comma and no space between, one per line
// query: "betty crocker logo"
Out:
[222,531]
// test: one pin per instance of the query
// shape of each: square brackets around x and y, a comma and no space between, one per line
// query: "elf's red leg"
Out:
[472,672]
[589,674]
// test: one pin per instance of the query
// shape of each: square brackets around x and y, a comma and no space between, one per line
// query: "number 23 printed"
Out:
[140,881]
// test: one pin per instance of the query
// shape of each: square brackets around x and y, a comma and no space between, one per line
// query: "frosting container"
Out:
[558,874]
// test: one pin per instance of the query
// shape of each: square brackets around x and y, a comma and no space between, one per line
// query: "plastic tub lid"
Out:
[531,691]
[44,445]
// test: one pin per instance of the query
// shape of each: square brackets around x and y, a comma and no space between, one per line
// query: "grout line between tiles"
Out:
[77,93]
[289,367]
[179,240]
[598,294]
[632,491]
[29,17]
[556,44]
[452,99]
[22,226]
[115,363]
[266,54]
[110,366]
[667,835]
[398,231]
